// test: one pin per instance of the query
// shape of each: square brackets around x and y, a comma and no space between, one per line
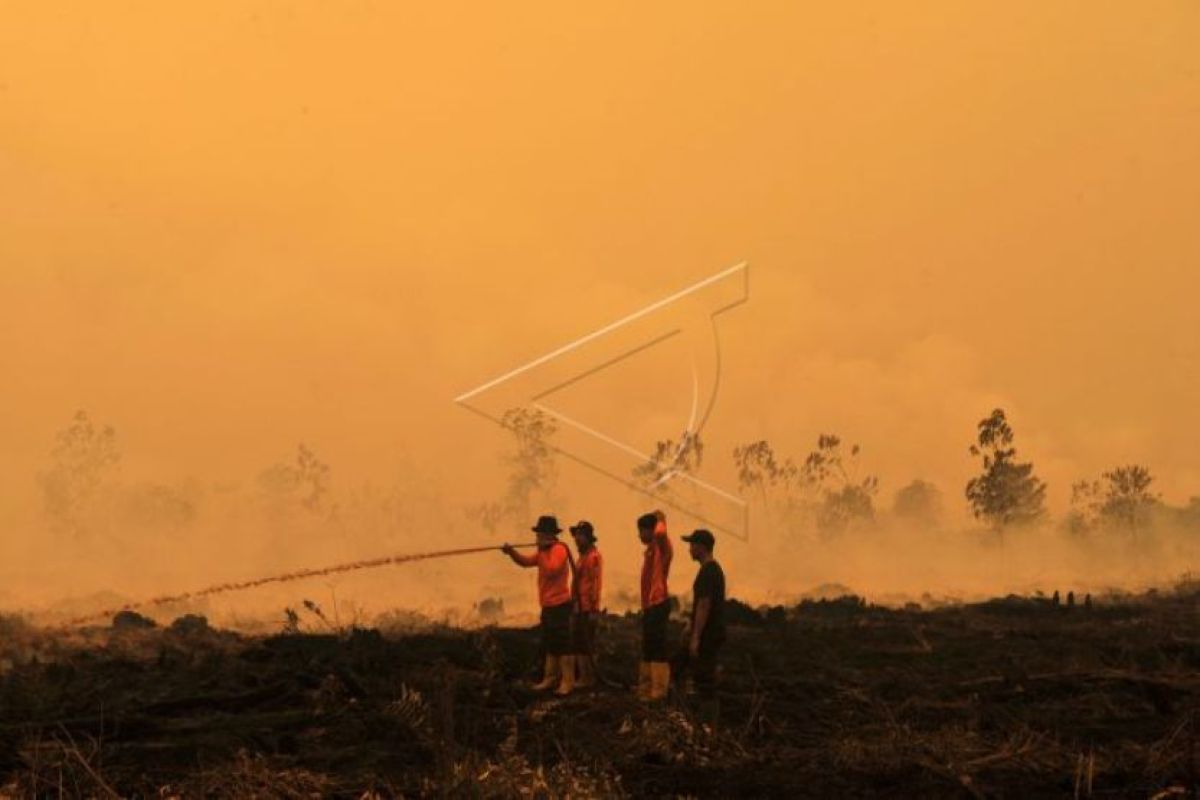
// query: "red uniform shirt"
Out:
[554,573]
[589,574]
[655,567]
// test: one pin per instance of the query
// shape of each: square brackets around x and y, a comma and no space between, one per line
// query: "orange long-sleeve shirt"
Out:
[589,576]
[655,567]
[554,573]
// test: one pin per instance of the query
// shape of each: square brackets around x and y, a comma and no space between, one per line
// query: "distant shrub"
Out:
[491,608]
[190,624]
[846,604]
[739,613]
[400,622]
[131,620]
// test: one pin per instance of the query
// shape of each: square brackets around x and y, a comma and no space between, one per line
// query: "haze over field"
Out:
[227,229]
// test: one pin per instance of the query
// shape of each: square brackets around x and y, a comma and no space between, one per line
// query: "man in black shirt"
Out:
[706,632]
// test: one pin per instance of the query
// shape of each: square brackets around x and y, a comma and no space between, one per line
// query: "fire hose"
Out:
[239,586]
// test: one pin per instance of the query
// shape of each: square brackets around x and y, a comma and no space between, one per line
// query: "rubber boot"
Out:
[644,680]
[660,679]
[568,676]
[550,674]
[586,668]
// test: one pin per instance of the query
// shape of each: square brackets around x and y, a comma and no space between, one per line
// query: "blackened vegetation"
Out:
[1017,697]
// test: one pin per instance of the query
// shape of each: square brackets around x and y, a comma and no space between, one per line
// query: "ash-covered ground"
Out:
[1017,697]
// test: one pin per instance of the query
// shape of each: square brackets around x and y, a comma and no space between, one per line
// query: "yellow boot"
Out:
[550,674]
[644,681]
[568,675]
[660,679]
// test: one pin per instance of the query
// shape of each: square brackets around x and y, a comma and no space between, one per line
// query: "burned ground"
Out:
[1013,698]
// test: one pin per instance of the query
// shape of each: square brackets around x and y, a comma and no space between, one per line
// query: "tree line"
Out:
[1005,494]
[828,490]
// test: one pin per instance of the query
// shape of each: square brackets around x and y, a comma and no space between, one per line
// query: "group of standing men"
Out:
[569,592]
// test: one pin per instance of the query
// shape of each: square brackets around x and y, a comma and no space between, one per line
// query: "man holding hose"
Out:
[553,562]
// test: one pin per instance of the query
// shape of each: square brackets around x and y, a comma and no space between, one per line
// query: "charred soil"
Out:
[1013,698]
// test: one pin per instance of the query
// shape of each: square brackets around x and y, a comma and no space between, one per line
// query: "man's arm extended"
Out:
[521,560]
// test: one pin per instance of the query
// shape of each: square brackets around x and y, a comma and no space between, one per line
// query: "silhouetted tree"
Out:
[531,470]
[825,490]
[489,515]
[1007,492]
[844,497]
[312,475]
[1120,500]
[83,457]
[919,502]
[669,459]
[532,466]
[306,479]
[1127,497]
[758,468]
[156,505]
[1085,507]
[840,508]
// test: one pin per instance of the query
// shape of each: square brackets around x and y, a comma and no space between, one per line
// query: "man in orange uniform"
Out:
[589,575]
[553,562]
[654,671]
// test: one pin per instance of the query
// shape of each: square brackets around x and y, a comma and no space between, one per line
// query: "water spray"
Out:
[222,588]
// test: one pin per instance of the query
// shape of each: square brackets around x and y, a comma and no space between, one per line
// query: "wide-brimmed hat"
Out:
[584,527]
[700,536]
[547,524]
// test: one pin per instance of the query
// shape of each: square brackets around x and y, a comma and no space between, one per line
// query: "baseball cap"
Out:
[584,527]
[701,536]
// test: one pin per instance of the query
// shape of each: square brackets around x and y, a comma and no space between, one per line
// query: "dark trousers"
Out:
[583,633]
[556,630]
[654,632]
[702,668]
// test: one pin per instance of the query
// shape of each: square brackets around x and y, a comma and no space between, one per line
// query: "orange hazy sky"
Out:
[226,227]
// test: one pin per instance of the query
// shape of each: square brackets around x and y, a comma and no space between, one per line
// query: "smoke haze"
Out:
[228,229]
